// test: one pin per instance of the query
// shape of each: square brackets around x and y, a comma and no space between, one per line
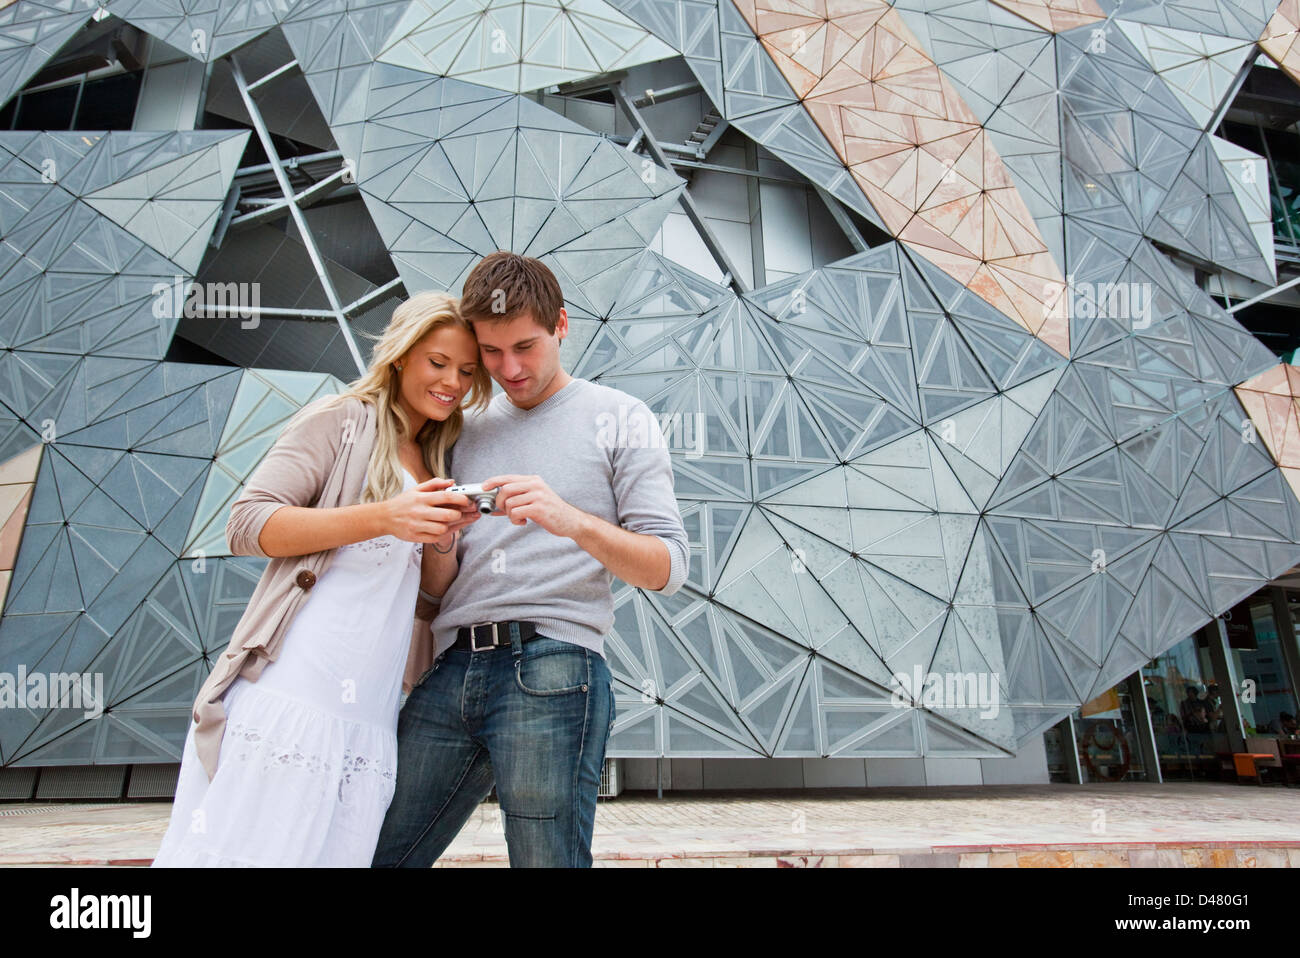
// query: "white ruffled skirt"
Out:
[294,787]
[308,758]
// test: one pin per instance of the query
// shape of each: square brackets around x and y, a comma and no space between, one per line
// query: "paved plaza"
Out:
[1138,825]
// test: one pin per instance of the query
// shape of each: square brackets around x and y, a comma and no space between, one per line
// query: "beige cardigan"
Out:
[319,460]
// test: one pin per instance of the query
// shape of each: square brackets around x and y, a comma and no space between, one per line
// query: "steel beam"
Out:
[314,315]
[1146,731]
[296,162]
[732,276]
[309,243]
[1267,294]
[652,97]
[277,72]
[1226,103]
[843,220]
[712,139]
[272,208]
[1229,682]
[362,304]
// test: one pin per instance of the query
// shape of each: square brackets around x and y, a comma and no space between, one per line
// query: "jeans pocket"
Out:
[553,671]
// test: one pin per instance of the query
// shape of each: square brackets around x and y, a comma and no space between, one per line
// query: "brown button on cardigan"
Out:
[319,461]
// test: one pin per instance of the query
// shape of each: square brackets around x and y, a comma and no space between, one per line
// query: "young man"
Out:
[519,692]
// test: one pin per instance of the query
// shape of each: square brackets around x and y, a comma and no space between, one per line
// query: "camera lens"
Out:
[485,506]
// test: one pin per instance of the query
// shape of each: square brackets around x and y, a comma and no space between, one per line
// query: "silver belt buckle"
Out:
[473,637]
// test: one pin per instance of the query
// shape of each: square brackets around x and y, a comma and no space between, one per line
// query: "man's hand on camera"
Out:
[529,497]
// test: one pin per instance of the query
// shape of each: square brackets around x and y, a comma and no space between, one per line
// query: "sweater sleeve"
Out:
[292,473]
[643,489]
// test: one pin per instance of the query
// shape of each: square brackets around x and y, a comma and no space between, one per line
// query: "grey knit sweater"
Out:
[600,450]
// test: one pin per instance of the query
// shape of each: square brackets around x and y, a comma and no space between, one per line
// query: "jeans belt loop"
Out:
[516,643]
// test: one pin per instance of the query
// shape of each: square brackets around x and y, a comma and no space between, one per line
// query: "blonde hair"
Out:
[379,385]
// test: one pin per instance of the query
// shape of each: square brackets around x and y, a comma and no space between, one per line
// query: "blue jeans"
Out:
[534,717]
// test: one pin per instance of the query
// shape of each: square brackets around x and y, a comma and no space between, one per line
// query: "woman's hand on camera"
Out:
[469,516]
[427,512]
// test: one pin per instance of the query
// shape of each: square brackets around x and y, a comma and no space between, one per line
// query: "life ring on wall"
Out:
[1125,752]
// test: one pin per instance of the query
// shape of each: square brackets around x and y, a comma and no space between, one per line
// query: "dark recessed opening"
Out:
[48,109]
[108,103]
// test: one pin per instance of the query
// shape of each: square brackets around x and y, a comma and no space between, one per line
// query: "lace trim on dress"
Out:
[383,546]
[252,745]
[384,543]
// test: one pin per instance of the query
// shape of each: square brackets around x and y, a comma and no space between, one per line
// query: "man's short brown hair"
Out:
[504,285]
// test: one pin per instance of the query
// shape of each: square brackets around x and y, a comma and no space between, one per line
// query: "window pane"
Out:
[1186,711]
[1273,711]
[1107,732]
[109,103]
[47,110]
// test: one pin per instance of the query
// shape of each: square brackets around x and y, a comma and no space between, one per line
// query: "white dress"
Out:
[308,758]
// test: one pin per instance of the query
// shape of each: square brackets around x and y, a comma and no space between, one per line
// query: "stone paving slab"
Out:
[1131,824]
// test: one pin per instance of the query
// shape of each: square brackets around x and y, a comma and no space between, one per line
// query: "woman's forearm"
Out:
[437,569]
[300,531]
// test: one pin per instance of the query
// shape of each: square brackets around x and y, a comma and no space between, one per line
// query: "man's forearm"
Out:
[639,560]
[437,569]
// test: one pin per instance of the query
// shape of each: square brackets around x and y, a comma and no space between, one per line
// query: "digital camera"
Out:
[484,499]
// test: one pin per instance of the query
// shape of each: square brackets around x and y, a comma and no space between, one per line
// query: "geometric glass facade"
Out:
[990,435]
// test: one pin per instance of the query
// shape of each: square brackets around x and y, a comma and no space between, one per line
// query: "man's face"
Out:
[522,357]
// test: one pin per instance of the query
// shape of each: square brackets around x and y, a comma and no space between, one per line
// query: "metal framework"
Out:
[290,201]
[730,273]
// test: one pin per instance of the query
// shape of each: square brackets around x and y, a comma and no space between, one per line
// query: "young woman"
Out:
[292,757]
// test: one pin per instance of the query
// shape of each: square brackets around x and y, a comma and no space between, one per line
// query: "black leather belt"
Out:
[490,635]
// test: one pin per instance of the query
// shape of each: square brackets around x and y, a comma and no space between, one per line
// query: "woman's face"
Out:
[437,373]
